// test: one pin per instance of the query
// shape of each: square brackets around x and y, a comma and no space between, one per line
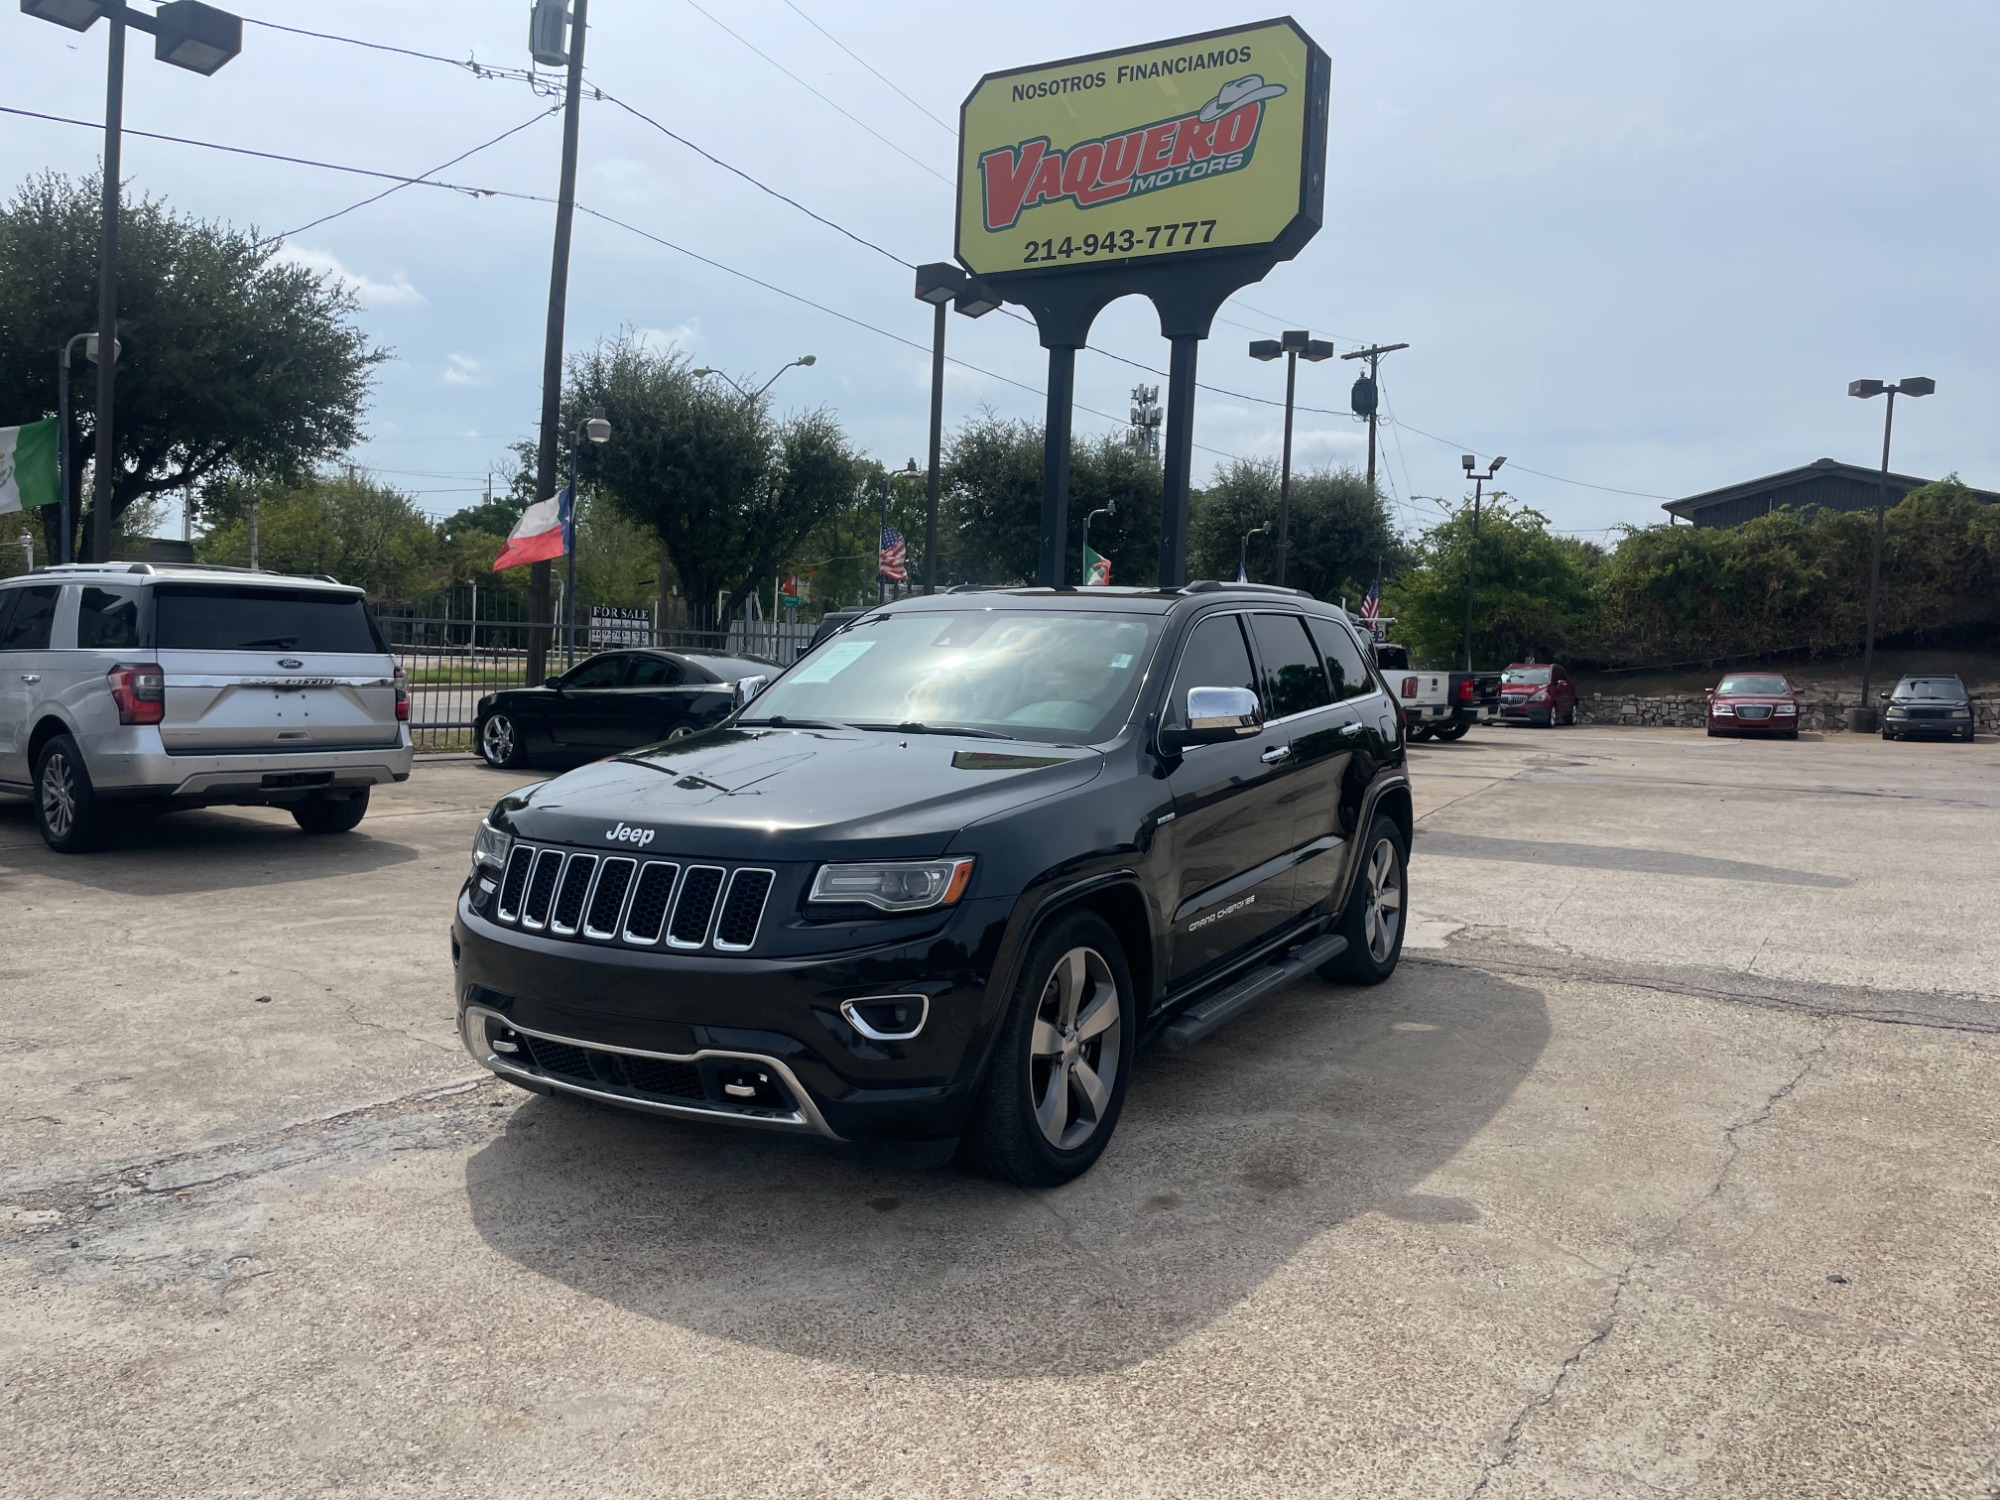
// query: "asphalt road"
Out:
[1666,1166]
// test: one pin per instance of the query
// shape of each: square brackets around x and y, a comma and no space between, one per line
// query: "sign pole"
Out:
[1176,481]
[1055,467]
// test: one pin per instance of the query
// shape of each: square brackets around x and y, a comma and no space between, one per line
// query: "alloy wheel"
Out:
[1383,914]
[58,795]
[496,740]
[1075,1049]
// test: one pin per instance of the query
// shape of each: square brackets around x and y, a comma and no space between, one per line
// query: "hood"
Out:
[789,794]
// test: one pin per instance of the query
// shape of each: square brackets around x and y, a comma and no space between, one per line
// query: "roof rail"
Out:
[1218,586]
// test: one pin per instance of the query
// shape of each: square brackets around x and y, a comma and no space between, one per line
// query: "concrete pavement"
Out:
[1665,1166]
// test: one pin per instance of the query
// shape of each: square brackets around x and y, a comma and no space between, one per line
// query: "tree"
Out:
[234,362]
[1340,531]
[357,530]
[729,492]
[1534,597]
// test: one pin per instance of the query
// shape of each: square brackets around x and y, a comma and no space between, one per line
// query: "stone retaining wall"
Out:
[1824,712]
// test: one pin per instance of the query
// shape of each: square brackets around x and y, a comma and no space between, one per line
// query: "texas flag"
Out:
[546,529]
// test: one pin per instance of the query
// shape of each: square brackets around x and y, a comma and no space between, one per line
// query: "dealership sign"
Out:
[1197,147]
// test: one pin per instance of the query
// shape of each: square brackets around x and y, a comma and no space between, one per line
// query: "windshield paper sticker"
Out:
[831,662]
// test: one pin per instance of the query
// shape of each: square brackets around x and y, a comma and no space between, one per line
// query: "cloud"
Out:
[396,292]
[463,369]
[679,339]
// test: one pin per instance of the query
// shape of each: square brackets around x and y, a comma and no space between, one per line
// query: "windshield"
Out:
[1767,686]
[1947,688]
[1024,674]
[1524,674]
[223,617]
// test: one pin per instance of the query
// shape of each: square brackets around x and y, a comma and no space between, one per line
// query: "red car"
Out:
[1753,703]
[1533,692]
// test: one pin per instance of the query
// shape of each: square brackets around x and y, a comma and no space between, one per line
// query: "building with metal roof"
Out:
[1823,484]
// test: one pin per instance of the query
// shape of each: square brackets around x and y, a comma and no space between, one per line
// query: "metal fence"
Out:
[452,660]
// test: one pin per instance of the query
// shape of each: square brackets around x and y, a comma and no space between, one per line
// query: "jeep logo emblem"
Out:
[625,833]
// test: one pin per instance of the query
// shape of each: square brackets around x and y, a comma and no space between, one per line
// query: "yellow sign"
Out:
[1199,144]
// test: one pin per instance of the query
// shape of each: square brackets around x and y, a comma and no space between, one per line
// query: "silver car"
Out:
[149,683]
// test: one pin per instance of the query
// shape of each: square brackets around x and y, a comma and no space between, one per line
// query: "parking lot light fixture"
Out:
[1861,719]
[1479,480]
[1295,344]
[77,15]
[197,37]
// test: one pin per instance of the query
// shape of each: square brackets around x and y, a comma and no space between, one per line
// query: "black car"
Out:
[618,700]
[1923,708]
[945,874]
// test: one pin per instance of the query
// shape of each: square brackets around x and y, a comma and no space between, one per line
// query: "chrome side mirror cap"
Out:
[1215,716]
[749,687]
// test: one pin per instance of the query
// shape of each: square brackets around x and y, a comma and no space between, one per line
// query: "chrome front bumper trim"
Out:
[805,1119]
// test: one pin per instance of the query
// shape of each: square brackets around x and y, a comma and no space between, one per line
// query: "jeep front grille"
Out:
[642,904]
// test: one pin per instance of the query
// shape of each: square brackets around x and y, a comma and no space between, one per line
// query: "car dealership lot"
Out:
[1666,1165]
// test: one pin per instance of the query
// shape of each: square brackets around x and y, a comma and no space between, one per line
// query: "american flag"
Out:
[895,558]
[1371,606]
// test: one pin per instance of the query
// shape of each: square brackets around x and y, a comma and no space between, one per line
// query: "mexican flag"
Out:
[28,466]
[1096,568]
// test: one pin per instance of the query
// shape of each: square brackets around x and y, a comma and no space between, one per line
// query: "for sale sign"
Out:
[611,626]
[1198,145]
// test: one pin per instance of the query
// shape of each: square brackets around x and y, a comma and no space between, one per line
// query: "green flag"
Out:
[1096,569]
[28,466]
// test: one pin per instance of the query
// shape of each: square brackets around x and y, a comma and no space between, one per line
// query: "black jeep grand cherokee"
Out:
[942,878]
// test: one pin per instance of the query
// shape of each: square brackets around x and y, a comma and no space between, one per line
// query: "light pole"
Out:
[802,360]
[1471,466]
[1862,719]
[189,35]
[1109,508]
[1296,342]
[1243,552]
[64,457]
[597,430]
[942,284]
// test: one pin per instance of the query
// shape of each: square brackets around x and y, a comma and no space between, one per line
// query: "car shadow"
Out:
[203,849]
[1321,1105]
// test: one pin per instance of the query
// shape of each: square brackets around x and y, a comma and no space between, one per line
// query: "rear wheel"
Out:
[1058,1077]
[67,811]
[332,814]
[1453,731]
[1373,922]
[499,740]
[1418,733]
[1570,717]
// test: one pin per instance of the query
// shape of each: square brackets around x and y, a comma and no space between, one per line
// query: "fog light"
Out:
[887,1018]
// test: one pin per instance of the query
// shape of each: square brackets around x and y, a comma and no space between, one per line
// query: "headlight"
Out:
[1899,713]
[1961,713]
[490,847]
[903,885]
[1723,710]
[1785,709]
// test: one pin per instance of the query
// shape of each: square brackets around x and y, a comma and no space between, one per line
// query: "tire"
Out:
[1570,717]
[331,815]
[1372,926]
[1452,731]
[1792,734]
[1035,1125]
[1714,733]
[1418,733]
[498,737]
[1885,733]
[68,812]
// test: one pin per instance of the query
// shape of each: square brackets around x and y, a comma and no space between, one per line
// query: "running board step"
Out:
[1198,1020]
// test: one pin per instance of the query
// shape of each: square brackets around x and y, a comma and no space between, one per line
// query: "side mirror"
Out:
[749,687]
[1215,716]
[553,682]
[1708,692]
[1883,696]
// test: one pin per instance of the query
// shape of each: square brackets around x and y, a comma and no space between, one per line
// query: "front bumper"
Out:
[697,1022]
[1527,713]
[1736,724]
[133,763]
[1928,729]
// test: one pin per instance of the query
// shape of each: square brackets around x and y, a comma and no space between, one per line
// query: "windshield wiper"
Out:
[269,642]
[913,727]
[779,721]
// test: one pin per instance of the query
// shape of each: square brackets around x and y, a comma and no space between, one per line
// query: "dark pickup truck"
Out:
[940,880]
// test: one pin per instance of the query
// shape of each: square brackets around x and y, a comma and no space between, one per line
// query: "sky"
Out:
[1639,250]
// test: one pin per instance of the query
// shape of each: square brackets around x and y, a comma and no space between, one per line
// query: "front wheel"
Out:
[1456,730]
[330,814]
[1418,733]
[1374,920]
[1059,1068]
[1570,717]
[499,739]
[67,811]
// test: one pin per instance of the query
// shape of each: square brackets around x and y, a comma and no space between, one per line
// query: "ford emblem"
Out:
[290,661]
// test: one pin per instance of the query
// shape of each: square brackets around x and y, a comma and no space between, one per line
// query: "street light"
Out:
[1296,343]
[1471,465]
[802,360]
[1862,719]
[1108,508]
[597,430]
[63,456]
[1243,552]
[942,284]
[190,35]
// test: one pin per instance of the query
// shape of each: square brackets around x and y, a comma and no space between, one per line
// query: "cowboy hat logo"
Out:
[1249,89]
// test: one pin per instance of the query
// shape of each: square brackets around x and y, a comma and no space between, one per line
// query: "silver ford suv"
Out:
[124,683]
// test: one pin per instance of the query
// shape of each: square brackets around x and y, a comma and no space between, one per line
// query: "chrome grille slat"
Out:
[743,909]
[566,915]
[652,899]
[585,894]
[541,890]
[607,899]
[694,907]
[514,883]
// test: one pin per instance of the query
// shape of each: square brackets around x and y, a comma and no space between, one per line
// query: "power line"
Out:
[471,65]
[823,98]
[398,187]
[869,66]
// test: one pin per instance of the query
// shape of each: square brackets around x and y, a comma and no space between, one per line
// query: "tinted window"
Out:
[33,616]
[1343,659]
[655,671]
[1294,681]
[598,672]
[107,621]
[1215,656]
[1389,658]
[1950,689]
[1533,676]
[219,617]
[1769,686]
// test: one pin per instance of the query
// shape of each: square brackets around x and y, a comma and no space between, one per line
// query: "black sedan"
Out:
[619,700]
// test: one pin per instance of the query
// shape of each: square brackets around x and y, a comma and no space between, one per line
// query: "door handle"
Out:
[31,677]
[1275,754]
[1352,728]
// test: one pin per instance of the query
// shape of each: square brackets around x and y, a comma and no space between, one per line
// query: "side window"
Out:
[1214,656]
[598,672]
[1294,682]
[655,671]
[32,618]
[1343,658]
[107,621]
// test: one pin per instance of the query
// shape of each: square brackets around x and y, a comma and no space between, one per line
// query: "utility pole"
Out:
[548,454]
[1367,397]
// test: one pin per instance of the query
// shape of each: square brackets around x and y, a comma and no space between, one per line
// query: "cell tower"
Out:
[1146,418]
